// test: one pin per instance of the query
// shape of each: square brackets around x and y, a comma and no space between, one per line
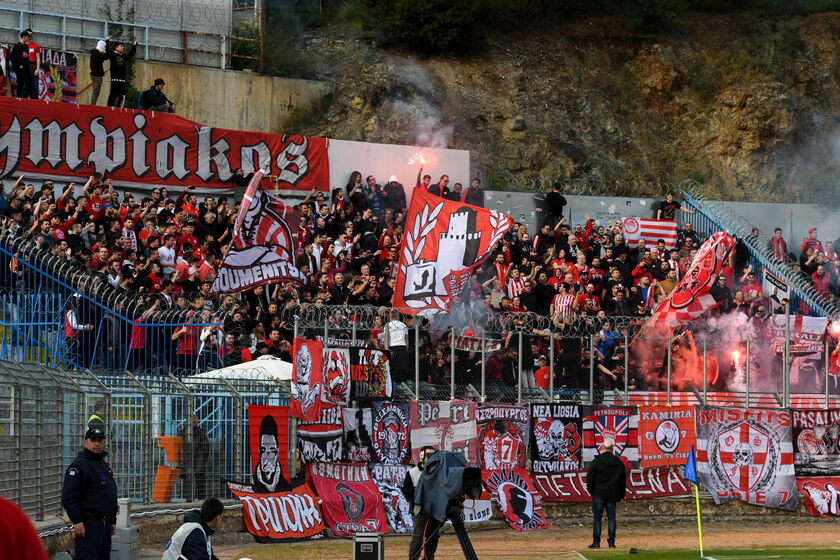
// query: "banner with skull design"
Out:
[444,425]
[390,441]
[503,435]
[358,427]
[821,495]
[371,371]
[268,445]
[262,247]
[517,497]
[307,379]
[444,242]
[747,455]
[321,440]
[816,445]
[666,434]
[618,423]
[389,480]
[337,377]
[558,437]
[351,502]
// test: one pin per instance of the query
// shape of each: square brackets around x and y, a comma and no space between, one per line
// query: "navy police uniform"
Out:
[89,496]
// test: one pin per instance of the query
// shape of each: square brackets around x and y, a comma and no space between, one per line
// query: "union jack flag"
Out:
[619,423]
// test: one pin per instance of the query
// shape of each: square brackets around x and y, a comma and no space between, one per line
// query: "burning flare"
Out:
[417,157]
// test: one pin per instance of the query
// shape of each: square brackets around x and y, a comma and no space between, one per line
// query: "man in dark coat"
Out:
[192,540]
[98,56]
[606,481]
[19,62]
[153,99]
[119,66]
[554,204]
[89,496]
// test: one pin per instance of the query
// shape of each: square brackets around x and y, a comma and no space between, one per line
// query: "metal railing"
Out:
[198,44]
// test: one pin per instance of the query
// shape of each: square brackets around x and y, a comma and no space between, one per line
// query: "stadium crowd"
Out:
[166,247]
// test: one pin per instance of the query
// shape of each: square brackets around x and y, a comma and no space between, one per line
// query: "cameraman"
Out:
[425,538]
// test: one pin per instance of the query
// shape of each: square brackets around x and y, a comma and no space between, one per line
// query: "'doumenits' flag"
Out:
[262,249]
[444,242]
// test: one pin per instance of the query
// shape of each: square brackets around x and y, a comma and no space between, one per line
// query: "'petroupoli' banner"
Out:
[143,149]
[618,423]
[281,516]
[747,455]
[351,501]
[666,434]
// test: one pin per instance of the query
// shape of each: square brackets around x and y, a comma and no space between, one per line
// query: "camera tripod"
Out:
[454,514]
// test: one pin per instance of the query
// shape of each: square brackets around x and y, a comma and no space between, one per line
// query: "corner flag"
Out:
[690,470]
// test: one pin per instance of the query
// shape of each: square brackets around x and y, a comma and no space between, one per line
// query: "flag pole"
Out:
[699,525]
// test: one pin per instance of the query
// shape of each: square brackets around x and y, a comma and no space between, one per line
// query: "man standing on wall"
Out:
[35,64]
[606,482]
[98,56]
[19,59]
[119,65]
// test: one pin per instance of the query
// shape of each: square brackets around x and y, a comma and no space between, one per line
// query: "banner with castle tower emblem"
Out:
[444,242]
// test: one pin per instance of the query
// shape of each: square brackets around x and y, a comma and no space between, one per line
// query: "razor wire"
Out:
[589,187]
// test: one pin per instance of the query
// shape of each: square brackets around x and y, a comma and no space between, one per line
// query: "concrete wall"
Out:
[220,98]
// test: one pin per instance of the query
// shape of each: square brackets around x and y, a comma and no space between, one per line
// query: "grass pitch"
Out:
[723,554]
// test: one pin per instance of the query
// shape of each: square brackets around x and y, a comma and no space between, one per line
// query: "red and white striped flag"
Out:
[650,230]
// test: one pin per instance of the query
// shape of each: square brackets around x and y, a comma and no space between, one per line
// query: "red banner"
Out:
[666,434]
[351,501]
[443,242]
[307,379]
[268,439]
[280,516]
[517,498]
[822,495]
[642,484]
[4,71]
[148,149]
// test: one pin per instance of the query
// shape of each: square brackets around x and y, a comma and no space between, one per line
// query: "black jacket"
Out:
[119,61]
[97,59]
[19,56]
[89,488]
[607,478]
[152,98]
[195,546]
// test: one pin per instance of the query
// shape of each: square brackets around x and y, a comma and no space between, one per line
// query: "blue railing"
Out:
[715,215]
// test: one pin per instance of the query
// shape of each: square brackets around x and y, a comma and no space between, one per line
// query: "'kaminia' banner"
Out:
[444,425]
[351,501]
[747,455]
[146,149]
[558,437]
[280,516]
[666,434]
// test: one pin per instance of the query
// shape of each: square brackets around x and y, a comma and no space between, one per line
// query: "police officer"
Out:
[89,497]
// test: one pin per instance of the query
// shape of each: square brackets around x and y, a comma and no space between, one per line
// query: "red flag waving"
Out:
[444,242]
[691,298]
[263,246]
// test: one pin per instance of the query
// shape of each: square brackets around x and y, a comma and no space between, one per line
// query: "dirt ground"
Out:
[562,541]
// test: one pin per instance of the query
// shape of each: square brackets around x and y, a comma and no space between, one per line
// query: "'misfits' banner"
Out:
[147,149]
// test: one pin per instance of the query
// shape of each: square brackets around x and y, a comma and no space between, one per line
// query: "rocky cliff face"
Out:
[746,106]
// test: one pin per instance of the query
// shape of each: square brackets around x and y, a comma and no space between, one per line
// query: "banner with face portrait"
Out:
[351,502]
[446,426]
[618,423]
[503,435]
[389,480]
[517,498]
[816,442]
[371,372]
[558,437]
[268,444]
[337,376]
[280,516]
[307,379]
[666,434]
[390,439]
[321,441]
[358,427]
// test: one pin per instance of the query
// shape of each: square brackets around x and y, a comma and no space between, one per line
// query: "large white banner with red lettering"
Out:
[147,149]
[444,241]
[806,333]
[747,455]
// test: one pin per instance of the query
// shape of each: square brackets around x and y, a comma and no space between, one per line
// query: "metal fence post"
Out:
[452,364]
[827,366]
[669,371]
[40,428]
[626,369]
[238,428]
[551,366]
[519,366]
[416,358]
[786,364]
[591,369]
[705,370]
[483,373]
[747,373]
[297,320]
